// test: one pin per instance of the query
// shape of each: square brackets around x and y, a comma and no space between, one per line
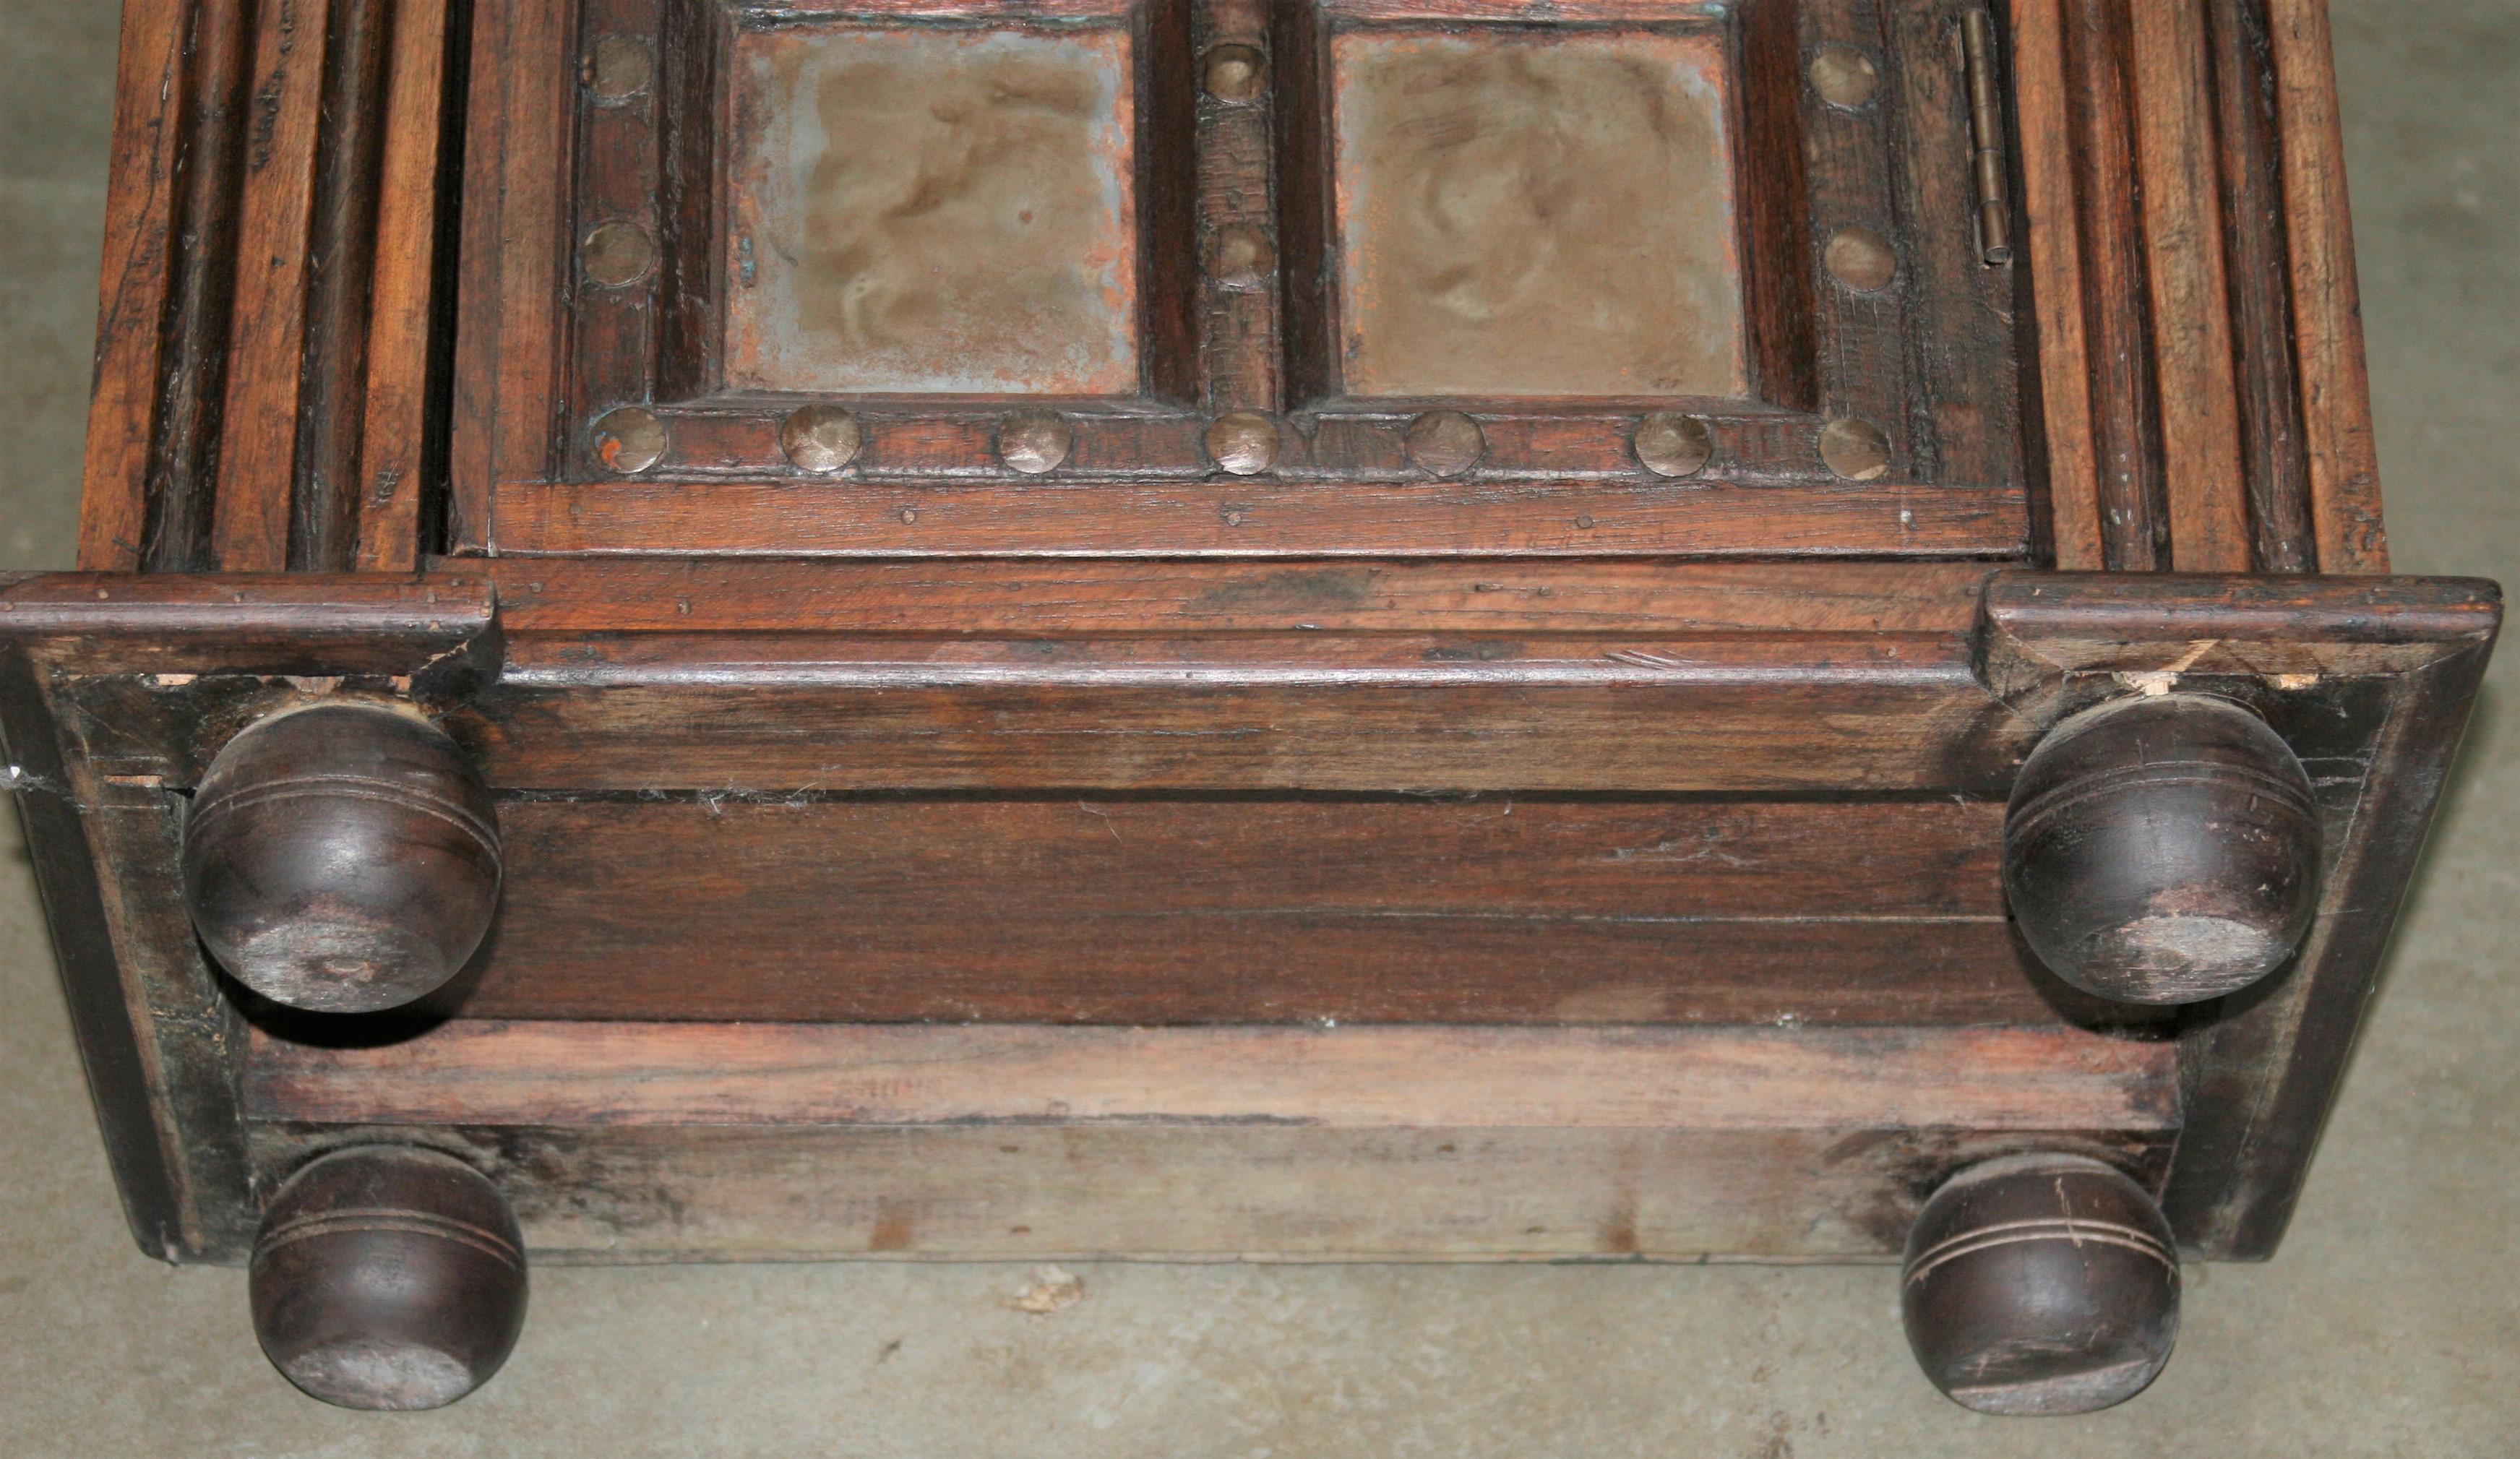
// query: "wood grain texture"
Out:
[91,625]
[403,354]
[1929,362]
[189,152]
[563,596]
[2274,464]
[157,1036]
[2072,504]
[2193,346]
[1960,333]
[1258,712]
[2326,297]
[506,350]
[1261,517]
[478,1071]
[1238,336]
[2265,1073]
[1166,911]
[342,283]
[258,434]
[2369,684]
[2118,309]
[1214,1192]
[138,284]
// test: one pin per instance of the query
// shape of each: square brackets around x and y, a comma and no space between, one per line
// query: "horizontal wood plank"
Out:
[1257,517]
[1323,712]
[1212,1192]
[297,623]
[720,594]
[1159,910]
[481,1072]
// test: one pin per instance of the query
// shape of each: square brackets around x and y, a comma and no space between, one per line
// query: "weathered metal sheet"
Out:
[932,210]
[1534,215]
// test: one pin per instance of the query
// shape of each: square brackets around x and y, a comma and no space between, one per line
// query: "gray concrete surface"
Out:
[2390,1324]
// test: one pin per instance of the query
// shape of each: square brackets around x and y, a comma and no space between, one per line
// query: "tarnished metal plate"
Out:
[1532,214]
[932,210]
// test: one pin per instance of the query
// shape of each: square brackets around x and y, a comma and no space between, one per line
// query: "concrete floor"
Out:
[2389,1325]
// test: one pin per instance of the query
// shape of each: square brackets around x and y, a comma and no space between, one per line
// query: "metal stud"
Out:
[1854,449]
[618,253]
[1232,72]
[1243,442]
[1674,445]
[820,438]
[629,440]
[1844,77]
[1035,441]
[1445,443]
[1240,256]
[617,69]
[1861,259]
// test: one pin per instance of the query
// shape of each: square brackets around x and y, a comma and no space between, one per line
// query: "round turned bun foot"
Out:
[2041,1284]
[342,857]
[389,1277]
[2162,849]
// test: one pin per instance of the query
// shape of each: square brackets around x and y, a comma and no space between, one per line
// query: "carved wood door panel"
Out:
[1217,277]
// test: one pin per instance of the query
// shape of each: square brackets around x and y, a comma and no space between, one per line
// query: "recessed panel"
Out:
[933,210]
[1534,214]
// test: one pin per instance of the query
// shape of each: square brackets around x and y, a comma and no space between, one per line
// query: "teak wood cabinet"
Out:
[1264,628]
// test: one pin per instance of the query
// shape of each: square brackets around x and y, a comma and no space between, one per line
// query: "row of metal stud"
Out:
[823,439]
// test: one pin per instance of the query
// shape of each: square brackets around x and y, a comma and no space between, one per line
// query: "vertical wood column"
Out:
[269,326]
[2201,382]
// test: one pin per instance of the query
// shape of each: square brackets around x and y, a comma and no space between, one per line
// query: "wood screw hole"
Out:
[1862,259]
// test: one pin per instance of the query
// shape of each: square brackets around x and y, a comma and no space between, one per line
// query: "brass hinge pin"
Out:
[1985,134]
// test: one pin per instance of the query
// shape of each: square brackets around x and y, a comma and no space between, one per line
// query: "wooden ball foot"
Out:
[2162,849]
[342,857]
[389,1277]
[2041,1284]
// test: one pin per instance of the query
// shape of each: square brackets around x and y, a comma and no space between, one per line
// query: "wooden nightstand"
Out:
[1190,629]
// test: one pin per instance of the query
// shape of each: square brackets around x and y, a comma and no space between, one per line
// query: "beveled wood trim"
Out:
[2326,296]
[1255,517]
[2264,1072]
[1302,712]
[480,1072]
[156,1034]
[1102,596]
[440,632]
[2370,680]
